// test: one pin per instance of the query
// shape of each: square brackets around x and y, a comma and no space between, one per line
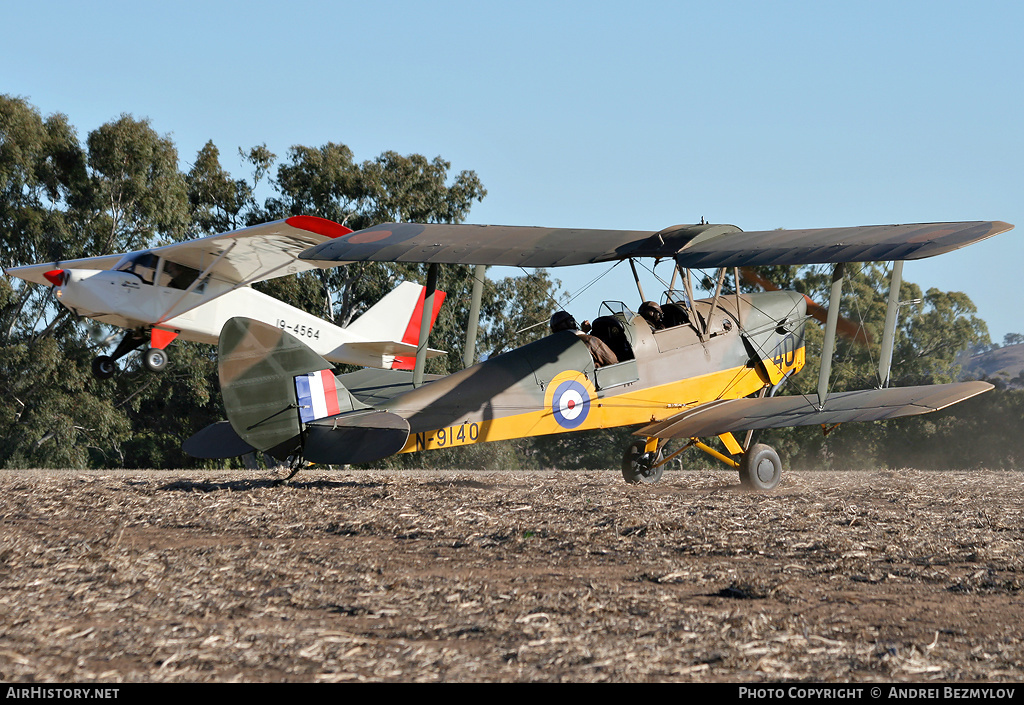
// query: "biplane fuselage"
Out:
[553,386]
[737,346]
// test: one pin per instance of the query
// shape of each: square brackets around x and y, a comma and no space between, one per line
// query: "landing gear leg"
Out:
[294,462]
[759,465]
[641,464]
[155,358]
[103,366]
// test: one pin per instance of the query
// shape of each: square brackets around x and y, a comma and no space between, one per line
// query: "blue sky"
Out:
[632,115]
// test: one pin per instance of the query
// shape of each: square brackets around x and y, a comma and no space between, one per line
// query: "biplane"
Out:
[190,289]
[711,368]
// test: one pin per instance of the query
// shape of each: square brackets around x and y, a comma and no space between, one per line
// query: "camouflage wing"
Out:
[871,243]
[696,246]
[726,416]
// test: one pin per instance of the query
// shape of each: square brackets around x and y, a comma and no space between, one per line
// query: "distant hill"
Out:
[1006,363]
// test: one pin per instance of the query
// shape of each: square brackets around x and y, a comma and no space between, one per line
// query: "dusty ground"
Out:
[571,576]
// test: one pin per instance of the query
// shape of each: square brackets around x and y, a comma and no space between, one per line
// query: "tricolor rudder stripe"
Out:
[317,393]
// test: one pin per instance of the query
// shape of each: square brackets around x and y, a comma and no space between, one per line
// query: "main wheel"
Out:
[155,359]
[760,468]
[103,367]
[637,464]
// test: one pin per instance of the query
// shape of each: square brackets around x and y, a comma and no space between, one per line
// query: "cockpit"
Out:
[142,264]
[613,326]
[151,269]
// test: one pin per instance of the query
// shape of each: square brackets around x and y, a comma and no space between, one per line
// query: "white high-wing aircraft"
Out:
[190,289]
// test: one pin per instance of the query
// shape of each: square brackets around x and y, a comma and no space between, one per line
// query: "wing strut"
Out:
[636,278]
[428,310]
[201,279]
[889,332]
[831,324]
[714,302]
[469,352]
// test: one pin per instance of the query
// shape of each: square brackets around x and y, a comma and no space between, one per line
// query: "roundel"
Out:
[386,234]
[570,404]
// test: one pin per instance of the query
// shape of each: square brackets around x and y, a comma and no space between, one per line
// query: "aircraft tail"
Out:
[397,318]
[284,399]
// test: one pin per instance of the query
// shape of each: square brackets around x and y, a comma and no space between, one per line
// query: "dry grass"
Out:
[572,576]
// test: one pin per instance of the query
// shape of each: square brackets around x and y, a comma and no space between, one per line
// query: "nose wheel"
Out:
[103,367]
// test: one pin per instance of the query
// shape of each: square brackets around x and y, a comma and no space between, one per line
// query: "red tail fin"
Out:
[412,331]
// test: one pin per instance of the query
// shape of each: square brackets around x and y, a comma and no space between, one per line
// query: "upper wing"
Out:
[248,255]
[257,253]
[728,415]
[691,245]
[869,243]
[477,244]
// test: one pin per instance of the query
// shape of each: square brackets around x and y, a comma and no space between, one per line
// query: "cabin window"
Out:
[178,276]
[141,264]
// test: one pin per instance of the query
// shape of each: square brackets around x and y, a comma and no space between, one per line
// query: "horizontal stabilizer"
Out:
[726,416]
[356,437]
[390,347]
[218,440]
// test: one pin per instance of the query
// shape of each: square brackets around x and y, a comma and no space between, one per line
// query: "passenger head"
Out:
[563,320]
[652,314]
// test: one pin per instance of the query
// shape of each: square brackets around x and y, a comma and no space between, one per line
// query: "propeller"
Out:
[846,328]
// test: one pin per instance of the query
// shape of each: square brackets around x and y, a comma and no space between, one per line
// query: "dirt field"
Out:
[570,576]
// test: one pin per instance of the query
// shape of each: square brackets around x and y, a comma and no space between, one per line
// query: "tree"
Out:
[217,203]
[58,200]
[44,189]
[140,196]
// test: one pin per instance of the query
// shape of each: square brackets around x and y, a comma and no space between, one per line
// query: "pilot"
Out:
[653,314]
[179,276]
[602,354]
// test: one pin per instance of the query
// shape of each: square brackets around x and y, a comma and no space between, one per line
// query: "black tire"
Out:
[155,359]
[760,468]
[103,367]
[636,464]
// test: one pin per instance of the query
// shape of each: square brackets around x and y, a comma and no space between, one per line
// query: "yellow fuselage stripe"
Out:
[643,406]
